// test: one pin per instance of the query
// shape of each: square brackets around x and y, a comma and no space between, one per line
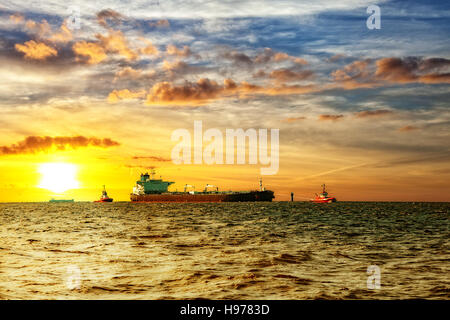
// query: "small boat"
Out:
[104,197]
[61,200]
[323,197]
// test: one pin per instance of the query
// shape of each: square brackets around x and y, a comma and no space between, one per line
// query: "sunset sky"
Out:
[364,111]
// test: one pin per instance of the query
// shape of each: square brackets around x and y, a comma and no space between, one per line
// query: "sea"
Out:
[273,250]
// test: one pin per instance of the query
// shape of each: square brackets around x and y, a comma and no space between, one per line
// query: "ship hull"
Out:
[324,200]
[105,200]
[251,196]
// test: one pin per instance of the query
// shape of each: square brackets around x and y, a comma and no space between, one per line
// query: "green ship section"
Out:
[153,186]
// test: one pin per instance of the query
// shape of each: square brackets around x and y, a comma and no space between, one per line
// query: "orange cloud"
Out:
[330,117]
[292,120]
[64,35]
[190,93]
[130,73]
[34,144]
[174,67]
[369,74]
[357,70]
[17,18]
[336,57]
[160,23]
[205,90]
[36,50]
[154,158]
[107,16]
[412,69]
[149,50]
[40,29]
[117,95]
[96,52]
[408,128]
[268,55]
[115,42]
[92,52]
[286,75]
[372,113]
[174,51]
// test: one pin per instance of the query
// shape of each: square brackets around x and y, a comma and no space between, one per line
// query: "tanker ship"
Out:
[149,189]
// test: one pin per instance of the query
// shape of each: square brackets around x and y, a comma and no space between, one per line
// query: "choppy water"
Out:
[223,251]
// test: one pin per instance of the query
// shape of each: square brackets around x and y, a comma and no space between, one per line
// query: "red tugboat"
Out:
[323,197]
[104,197]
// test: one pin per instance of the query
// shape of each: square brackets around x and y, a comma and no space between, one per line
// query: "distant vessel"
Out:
[323,197]
[104,197]
[61,200]
[148,189]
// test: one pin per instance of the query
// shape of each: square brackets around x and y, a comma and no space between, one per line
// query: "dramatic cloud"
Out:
[90,52]
[96,52]
[205,90]
[64,35]
[34,144]
[177,68]
[149,49]
[408,128]
[368,73]
[355,75]
[115,42]
[41,30]
[413,69]
[190,93]
[238,58]
[109,17]
[36,50]
[134,74]
[117,95]
[174,51]
[131,166]
[372,113]
[160,23]
[265,57]
[17,18]
[154,158]
[286,75]
[268,55]
[294,119]
[336,57]
[330,117]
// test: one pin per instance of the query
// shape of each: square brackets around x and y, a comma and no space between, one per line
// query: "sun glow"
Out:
[58,177]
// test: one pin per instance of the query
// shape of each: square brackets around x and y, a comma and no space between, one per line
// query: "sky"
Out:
[101,86]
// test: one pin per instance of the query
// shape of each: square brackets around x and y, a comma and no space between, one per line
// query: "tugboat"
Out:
[323,197]
[104,197]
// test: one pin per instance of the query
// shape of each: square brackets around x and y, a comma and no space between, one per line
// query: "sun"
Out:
[58,177]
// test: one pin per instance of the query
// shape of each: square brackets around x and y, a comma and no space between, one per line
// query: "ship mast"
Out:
[261,188]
